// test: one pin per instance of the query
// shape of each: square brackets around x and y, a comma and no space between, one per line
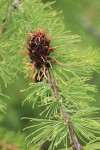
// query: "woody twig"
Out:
[75,143]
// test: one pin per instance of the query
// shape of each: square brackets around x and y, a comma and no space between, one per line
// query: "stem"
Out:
[13,7]
[75,143]
[8,147]
[10,11]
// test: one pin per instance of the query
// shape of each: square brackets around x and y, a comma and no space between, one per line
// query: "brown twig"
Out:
[75,143]
[8,146]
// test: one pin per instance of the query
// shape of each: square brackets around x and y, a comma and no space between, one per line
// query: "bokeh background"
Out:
[81,17]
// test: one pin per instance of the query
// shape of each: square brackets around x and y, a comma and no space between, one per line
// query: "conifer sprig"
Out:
[66,94]
[64,90]
[75,143]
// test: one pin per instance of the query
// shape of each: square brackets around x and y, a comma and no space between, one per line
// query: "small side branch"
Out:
[75,143]
[13,6]
[8,147]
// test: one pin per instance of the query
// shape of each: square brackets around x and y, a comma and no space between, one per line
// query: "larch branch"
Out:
[75,143]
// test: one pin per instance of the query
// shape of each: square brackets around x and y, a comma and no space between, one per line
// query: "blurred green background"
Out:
[80,17]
